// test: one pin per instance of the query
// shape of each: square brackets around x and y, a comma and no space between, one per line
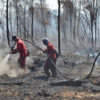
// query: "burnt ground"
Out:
[36,86]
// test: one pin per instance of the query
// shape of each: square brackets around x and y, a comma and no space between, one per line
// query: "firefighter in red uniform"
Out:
[52,55]
[21,48]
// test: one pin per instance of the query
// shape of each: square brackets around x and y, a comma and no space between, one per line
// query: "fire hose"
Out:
[86,77]
[93,65]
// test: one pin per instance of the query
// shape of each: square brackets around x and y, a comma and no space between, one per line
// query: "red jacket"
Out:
[51,50]
[20,47]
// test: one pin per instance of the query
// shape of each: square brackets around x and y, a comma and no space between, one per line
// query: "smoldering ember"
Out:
[49,50]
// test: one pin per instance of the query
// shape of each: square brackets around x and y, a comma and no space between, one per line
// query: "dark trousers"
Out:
[50,67]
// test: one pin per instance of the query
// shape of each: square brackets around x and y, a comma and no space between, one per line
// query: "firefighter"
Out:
[21,49]
[52,55]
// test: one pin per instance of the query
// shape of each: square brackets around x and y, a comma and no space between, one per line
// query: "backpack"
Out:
[28,53]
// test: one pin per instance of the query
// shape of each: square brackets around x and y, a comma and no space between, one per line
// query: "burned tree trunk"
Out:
[25,34]
[42,15]
[32,21]
[17,19]
[59,27]
[7,24]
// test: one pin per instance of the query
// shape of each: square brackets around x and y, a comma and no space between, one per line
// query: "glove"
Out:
[41,49]
[44,51]
[11,52]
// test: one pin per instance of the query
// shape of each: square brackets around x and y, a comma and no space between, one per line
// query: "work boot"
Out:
[54,76]
[48,75]
[54,72]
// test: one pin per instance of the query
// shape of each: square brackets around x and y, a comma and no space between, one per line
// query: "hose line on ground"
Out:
[93,65]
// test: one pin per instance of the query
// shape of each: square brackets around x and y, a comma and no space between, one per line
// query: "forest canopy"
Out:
[34,20]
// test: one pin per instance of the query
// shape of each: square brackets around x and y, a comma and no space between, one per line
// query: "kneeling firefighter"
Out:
[52,55]
[21,48]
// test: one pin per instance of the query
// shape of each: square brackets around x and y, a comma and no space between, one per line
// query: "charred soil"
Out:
[36,86]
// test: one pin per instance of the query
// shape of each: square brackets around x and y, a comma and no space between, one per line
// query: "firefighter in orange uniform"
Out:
[21,48]
[52,55]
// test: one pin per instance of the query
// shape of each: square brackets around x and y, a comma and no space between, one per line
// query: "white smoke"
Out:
[11,69]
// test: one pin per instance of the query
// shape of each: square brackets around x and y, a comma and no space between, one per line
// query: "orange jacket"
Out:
[20,47]
[50,50]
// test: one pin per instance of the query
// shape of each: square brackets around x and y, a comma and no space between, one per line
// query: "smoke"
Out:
[3,64]
[10,67]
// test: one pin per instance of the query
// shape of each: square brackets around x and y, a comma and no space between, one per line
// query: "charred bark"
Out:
[7,24]
[59,50]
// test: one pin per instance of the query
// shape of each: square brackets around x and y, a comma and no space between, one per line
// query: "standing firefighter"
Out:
[52,55]
[21,48]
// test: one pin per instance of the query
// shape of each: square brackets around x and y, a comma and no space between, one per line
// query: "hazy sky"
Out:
[53,4]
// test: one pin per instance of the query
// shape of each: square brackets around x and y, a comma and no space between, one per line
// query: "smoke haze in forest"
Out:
[52,4]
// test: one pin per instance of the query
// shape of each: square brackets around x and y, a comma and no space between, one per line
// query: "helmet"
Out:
[45,41]
[14,37]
